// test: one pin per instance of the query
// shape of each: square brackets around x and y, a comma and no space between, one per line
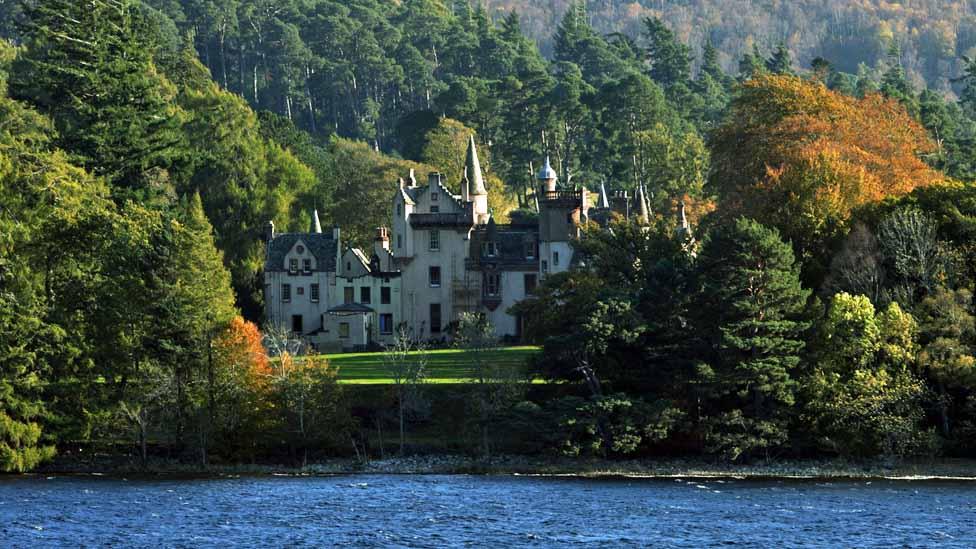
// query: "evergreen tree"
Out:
[90,67]
[751,64]
[670,60]
[750,310]
[780,62]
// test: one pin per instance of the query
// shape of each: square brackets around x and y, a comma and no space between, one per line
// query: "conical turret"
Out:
[603,201]
[642,205]
[315,226]
[473,188]
[472,169]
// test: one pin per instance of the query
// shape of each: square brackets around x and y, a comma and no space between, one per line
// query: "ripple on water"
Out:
[439,511]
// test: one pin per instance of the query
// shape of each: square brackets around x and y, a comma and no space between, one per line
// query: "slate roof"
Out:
[321,245]
[510,241]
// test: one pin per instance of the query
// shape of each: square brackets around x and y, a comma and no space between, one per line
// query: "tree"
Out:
[780,62]
[802,157]
[861,397]
[750,310]
[919,260]
[242,389]
[310,405]
[406,360]
[948,355]
[669,60]
[496,387]
[91,69]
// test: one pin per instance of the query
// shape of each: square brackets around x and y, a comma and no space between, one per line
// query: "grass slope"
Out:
[443,365]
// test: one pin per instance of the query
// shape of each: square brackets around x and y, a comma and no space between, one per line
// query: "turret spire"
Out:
[472,169]
[603,201]
[642,204]
[316,226]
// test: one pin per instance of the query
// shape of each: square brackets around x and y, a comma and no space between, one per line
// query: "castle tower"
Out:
[474,185]
[560,214]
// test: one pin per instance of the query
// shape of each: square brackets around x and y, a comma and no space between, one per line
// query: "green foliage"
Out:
[90,68]
[861,396]
[750,310]
[634,425]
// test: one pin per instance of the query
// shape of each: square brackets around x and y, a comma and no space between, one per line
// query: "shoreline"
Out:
[941,470]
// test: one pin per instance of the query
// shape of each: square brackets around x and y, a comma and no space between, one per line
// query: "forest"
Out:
[822,305]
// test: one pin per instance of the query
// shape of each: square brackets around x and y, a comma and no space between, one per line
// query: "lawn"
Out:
[443,366]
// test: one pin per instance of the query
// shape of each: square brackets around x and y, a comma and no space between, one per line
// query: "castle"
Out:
[445,255]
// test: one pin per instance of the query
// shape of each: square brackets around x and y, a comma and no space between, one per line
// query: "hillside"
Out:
[932,34]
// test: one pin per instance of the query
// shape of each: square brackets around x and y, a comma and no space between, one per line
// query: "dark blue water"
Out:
[438,511]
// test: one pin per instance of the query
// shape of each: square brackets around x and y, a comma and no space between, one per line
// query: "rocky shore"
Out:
[557,467]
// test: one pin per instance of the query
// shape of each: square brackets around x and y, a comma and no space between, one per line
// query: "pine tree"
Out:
[89,65]
[751,64]
[670,60]
[780,62]
[751,303]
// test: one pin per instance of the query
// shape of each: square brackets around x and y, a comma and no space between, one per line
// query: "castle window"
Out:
[434,275]
[385,295]
[344,330]
[314,290]
[489,249]
[307,265]
[365,295]
[386,323]
[492,285]
[293,265]
[435,240]
[435,318]
[286,292]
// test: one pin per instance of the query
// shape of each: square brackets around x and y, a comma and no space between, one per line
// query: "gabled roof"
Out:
[322,246]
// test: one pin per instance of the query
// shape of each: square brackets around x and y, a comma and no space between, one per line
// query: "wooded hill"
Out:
[932,34]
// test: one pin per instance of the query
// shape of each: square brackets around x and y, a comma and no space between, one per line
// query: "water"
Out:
[438,511]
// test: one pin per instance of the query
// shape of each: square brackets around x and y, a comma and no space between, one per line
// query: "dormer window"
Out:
[433,197]
[307,265]
[489,249]
[300,249]
[293,265]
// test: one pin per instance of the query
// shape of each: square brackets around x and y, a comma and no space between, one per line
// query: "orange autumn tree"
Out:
[799,157]
[243,384]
